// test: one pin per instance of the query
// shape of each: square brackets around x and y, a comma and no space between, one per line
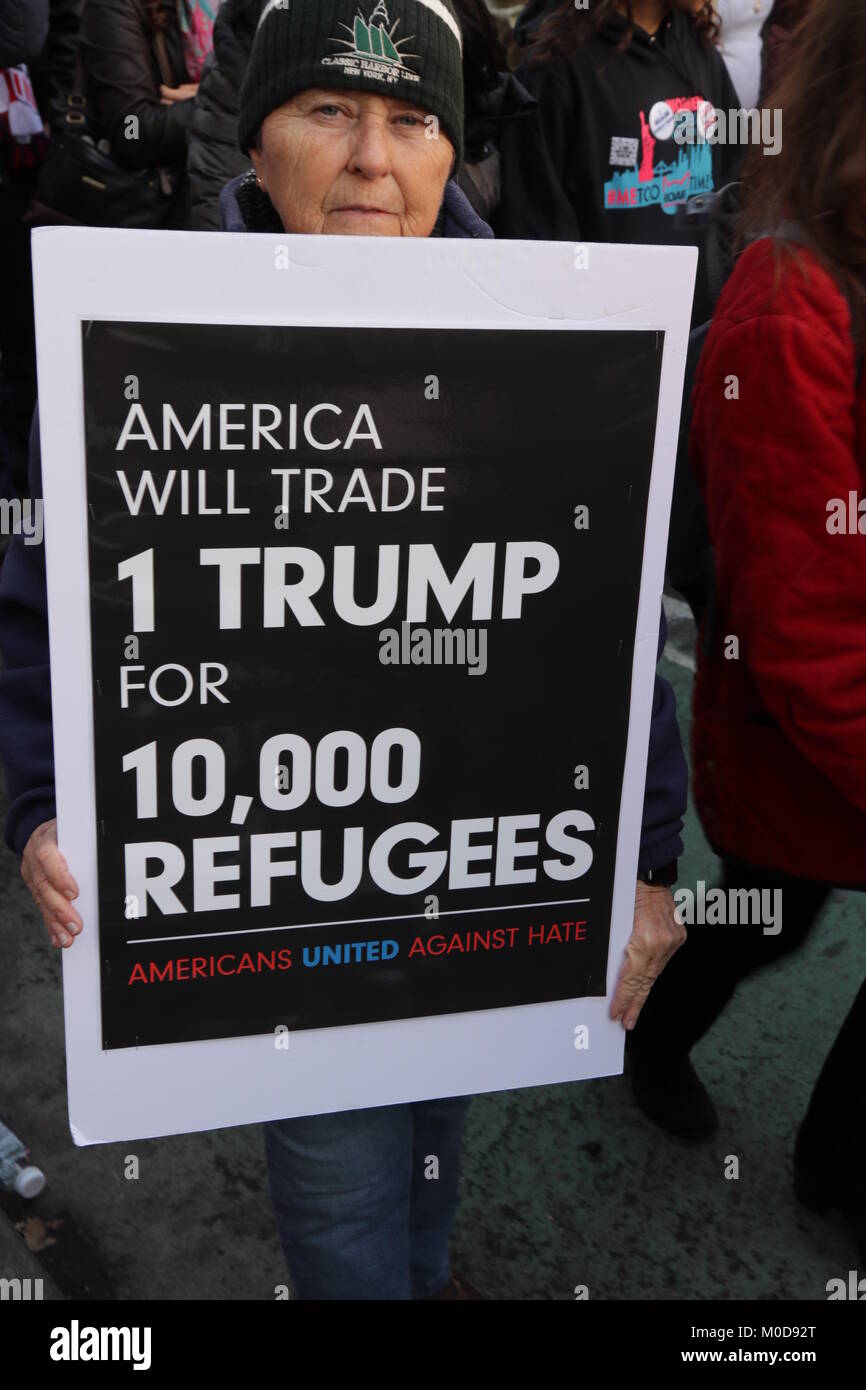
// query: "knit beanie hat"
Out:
[409,49]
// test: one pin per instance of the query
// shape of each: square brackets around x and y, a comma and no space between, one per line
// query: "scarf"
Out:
[196,20]
[22,135]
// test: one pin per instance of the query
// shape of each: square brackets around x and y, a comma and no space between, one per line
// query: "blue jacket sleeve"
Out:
[26,741]
[667,778]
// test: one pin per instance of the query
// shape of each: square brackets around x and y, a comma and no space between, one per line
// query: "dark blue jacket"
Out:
[25,686]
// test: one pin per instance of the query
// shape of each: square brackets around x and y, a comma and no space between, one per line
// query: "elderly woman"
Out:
[347,143]
[354,121]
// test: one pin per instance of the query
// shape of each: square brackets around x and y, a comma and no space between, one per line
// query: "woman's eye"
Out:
[329,110]
[409,120]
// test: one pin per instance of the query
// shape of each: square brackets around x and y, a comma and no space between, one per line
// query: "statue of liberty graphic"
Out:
[374,37]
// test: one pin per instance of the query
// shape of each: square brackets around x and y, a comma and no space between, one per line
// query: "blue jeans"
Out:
[365,1200]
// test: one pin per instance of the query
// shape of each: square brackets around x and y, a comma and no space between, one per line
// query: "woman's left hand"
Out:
[169,95]
[657,934]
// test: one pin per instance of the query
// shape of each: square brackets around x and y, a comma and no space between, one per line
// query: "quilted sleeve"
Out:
[773,441]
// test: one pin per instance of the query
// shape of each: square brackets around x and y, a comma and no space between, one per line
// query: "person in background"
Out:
[23,33]
[54,70]
[741,45]
[598,161]
[129,50]
[214,156]
[529,19]
[44,35]
[779,734]
[356,1217]
[493,97]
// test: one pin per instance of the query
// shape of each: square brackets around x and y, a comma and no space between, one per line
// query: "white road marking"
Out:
[679,658]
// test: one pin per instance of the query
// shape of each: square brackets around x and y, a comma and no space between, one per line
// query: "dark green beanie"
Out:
[409,49]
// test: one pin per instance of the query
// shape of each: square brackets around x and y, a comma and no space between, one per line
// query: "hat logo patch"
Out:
[374,51]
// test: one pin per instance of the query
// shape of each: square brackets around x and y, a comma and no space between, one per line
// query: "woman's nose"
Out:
[371,155]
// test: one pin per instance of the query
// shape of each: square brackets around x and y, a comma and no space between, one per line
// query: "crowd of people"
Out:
[204,115]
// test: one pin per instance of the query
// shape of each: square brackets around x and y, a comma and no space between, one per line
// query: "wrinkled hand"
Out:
[169,95]
[47,875]
[657,934]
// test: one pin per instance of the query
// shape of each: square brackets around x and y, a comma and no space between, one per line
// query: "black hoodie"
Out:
[597,161]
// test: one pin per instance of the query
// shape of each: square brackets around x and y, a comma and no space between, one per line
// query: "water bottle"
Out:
[16,1174]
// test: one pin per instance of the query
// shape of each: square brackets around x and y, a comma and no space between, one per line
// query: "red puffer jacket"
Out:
[779,737]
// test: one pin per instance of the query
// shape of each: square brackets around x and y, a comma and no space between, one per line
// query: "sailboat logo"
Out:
[374,41]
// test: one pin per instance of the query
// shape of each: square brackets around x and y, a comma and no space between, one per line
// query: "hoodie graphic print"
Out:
[656,175]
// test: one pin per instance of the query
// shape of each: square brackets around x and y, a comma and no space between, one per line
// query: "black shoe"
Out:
[671,1094]
[824,1194]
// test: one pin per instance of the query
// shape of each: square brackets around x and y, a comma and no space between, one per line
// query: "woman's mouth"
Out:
[359,211]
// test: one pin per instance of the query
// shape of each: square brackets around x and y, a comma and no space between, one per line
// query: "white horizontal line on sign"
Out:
[351,922]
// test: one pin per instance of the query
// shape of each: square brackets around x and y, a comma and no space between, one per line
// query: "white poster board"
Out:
[109,277]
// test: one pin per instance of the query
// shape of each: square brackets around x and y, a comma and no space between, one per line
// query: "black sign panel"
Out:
[363,607]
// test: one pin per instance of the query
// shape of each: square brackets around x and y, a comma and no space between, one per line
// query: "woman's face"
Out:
[353,164]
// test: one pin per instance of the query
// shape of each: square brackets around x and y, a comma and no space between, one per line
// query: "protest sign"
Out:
[355,550]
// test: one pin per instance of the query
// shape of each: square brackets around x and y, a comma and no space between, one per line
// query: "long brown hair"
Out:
[818,178]
[484,55]
[563,31]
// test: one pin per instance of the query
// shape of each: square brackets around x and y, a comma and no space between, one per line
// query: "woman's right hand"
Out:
[47,875]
